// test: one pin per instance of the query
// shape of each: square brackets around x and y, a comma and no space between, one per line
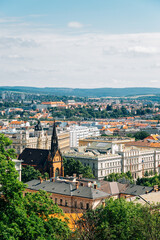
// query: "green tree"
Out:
[119,176]
[146,174]
[122,220]
[141,135]
[25,217]
[72,166]
[29,173]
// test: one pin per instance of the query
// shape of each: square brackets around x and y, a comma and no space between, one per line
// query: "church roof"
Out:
[34,157]
[38,157]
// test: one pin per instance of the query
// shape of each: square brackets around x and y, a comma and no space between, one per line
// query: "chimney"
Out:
[155,188]
[77,185]
[74,175]
[103,203]
[80,176]
[146,192]
[89,184]
[95,186]
[41,179]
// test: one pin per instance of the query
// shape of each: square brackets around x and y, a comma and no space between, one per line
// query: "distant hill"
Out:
[79,92]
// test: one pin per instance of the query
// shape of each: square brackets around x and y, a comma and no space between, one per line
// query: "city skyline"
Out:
[86,44]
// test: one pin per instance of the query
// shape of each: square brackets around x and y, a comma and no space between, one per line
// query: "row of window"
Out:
[133,160]
[111,164]
[146,159]
[65,203]
[113,170]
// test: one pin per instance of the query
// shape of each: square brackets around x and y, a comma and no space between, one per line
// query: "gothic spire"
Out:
[54,141]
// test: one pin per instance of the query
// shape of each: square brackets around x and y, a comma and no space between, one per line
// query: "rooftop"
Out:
[67,188]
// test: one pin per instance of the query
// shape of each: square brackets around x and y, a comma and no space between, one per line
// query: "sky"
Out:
[80,43]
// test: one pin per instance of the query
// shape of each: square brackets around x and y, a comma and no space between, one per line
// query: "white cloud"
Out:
[46,57]
[75,25]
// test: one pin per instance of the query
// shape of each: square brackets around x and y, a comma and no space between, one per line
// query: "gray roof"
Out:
[137,190]
[67,188]
[112,188]
[99,146]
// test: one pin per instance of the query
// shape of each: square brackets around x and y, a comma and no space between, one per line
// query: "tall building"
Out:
[49,161]
[80,132]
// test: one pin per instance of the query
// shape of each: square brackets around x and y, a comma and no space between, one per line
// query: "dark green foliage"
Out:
[29,173]
[114,177]
[149,181]
[141,135]
[146,174]
[25,217]
[120,220]
[72,166]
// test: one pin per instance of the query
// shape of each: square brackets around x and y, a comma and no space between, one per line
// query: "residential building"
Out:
[33,138]
[69,194]
[80,132]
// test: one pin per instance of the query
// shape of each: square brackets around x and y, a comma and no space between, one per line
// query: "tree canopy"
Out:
[122,220]
[29,173]
[119,176]
[72,166]
[25,217]
[149,181]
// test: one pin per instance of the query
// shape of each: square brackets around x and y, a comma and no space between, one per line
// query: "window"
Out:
[87,205]
[101,165]
[81,205]
[56,200]
[61,200]
[75,204]
[66,203]
[101,173]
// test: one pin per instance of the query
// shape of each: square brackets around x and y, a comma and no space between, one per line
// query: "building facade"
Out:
[80,132]
[133,159]
[70,195]
[32,138]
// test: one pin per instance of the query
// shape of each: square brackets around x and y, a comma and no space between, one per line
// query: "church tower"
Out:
[39,135]
[56,160]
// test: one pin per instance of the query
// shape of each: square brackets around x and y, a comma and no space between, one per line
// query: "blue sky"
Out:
[110,16]
[86,43]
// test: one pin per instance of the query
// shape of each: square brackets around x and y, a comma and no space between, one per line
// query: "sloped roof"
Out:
[34,156]
[65,188]
[112,188]
[137,190]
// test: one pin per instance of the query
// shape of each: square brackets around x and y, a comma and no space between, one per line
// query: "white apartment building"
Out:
[80,132]
[133,159]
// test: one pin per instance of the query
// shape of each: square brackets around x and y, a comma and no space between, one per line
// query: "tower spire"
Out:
[54,141]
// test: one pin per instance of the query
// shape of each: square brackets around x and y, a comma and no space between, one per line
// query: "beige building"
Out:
[32,138]
[70,195]
[116,140]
